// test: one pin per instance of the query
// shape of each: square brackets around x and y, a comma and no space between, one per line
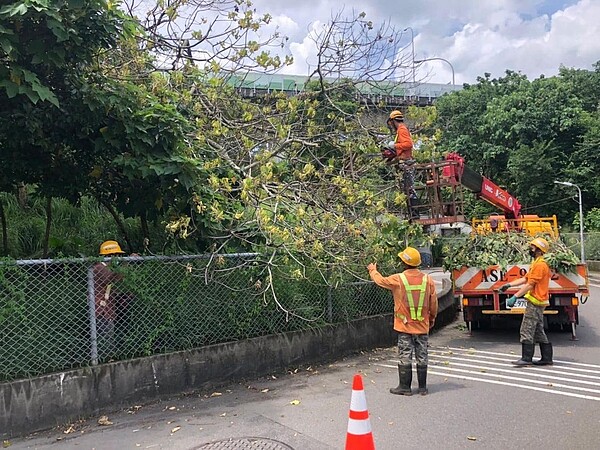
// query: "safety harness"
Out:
[415,314]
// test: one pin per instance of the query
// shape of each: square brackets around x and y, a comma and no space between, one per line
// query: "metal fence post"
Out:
[329,304]
[92,314]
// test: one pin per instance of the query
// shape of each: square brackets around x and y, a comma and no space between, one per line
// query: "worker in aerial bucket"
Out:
[401,150]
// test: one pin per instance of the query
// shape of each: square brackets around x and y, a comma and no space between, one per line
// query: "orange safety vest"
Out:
[403,144]
[540,289]
[415,313]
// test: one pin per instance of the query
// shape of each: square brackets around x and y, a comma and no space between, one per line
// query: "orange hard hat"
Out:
[110,248]
[396,115]
[541,244]
[410,256]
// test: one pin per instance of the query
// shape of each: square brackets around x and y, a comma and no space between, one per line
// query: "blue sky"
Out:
[533,37]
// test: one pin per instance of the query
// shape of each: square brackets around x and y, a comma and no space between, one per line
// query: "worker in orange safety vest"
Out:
[415,310]
[401,150]
[403,145]
[534,288]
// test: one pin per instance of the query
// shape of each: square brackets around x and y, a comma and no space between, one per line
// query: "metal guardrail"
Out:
[61,314]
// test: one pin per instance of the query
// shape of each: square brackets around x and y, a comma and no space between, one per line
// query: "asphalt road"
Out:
[477,400]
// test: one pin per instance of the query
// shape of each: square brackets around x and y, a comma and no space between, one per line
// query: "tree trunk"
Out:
[22,195]
[4,230]
[145,230]
[120,225]
[48,225]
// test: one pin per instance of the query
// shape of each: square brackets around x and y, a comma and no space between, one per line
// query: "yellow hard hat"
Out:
[396,115]
[540,243]
[410,256]
[110,248]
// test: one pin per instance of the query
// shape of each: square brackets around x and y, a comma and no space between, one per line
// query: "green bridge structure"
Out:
[392,94]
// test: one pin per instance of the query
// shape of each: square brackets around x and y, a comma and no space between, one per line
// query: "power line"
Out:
[549,203]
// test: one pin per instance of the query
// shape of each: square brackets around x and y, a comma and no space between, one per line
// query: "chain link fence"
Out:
[61,314]
[591,244]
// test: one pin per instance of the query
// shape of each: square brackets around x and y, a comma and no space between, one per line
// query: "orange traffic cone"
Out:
[359,436]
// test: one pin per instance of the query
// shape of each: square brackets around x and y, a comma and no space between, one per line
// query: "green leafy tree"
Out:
[285,176]
[39,39]
[529,168]
[524,135]
[45,48]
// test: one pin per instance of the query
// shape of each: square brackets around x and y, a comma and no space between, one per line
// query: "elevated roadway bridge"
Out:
[392,94]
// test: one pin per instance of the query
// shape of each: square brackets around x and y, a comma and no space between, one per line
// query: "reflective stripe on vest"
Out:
[415,315]
[535,301]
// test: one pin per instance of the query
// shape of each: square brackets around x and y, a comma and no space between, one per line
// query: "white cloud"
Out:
[530,36]
[304,53]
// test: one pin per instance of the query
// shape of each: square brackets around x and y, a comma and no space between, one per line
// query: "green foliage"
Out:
[39,38]
[484,250]
[502,249]
[561,258]
[591,220]
[592,246]
[142,159]
[585,160]
[77,230]
[534,185]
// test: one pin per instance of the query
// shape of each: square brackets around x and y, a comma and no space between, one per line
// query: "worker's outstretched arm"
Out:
[514,283]
[385,282]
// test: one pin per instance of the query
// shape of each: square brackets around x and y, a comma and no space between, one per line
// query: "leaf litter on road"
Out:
[103,420]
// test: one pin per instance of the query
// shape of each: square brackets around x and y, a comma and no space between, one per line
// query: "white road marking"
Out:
[471,351]
[521,386]
[512,378]
[556,369]
[524,371]
[550,383]
[566,378]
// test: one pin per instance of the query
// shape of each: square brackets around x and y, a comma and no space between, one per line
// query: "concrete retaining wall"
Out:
[44,402]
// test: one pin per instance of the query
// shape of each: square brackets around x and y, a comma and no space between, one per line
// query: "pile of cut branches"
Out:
[503,249]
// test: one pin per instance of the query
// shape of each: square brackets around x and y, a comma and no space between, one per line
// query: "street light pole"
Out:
[412,45]
[421,61]
[567,183]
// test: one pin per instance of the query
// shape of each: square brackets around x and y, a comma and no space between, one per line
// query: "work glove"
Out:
[505,287]
[510,301]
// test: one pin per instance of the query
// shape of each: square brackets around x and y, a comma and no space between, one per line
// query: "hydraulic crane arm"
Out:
[482,186]
[500,198]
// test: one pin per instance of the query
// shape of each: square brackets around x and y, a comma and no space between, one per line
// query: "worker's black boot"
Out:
[527,355]
[422,378]
[546,360]
[405,380]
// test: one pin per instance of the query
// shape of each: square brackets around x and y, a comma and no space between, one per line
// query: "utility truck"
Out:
[439,187]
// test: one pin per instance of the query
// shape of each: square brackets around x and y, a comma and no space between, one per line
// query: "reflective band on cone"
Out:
[359,436]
